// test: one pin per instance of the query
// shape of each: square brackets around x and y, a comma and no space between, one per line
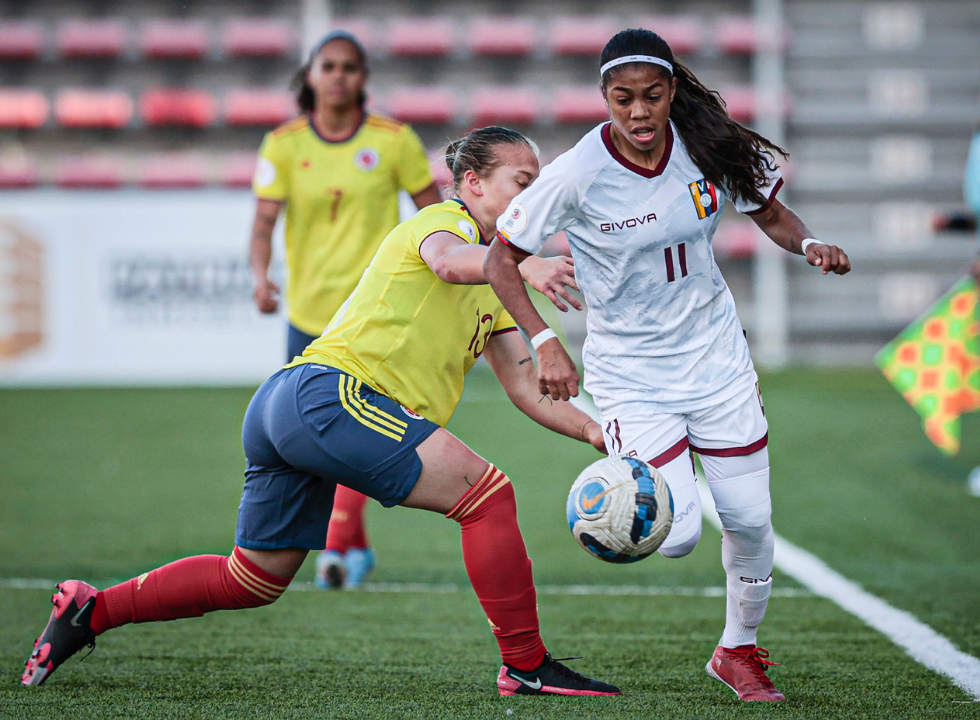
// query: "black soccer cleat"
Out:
[68,631]
[552,678]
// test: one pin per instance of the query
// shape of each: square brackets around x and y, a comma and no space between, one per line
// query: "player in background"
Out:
[366,406]
[337,170]
[665,357]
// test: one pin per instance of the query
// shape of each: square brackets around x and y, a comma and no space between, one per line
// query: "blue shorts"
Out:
[307,429]
[296,342]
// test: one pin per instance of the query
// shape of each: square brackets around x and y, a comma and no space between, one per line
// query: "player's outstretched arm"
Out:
[512,364]
[557,376]
[784,227]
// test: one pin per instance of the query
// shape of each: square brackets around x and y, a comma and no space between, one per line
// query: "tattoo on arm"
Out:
[525,360]
[548,398]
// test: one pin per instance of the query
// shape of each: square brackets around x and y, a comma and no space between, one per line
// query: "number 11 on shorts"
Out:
[681,261]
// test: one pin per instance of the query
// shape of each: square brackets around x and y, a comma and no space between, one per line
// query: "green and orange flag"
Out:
[935,364]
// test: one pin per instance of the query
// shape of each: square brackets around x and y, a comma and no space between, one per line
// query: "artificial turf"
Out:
[104,484]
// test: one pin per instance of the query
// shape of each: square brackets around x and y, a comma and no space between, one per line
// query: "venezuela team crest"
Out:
[705,198]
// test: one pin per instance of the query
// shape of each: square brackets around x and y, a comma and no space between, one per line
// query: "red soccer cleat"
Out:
[68,631]
[743,669]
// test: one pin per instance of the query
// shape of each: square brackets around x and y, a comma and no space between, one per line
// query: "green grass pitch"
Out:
[105,484]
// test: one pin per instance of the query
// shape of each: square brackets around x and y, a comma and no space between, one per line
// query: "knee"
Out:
[685,547]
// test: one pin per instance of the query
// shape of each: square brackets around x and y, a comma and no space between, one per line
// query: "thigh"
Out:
[734,428]
[449,469]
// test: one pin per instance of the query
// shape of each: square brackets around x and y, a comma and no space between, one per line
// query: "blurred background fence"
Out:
[128,134]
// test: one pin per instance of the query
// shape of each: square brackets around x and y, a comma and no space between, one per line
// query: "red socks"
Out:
[499,568]
[346,529]
[187,588]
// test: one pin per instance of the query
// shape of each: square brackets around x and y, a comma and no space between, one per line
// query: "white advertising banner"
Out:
[131,288]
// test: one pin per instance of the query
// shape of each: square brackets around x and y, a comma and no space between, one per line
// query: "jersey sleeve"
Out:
[505,323]
[271,179]
[550,204]
[774,181]
[459,225]
[413,171]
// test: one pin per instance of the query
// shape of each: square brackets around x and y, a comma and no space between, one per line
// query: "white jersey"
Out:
[662,326]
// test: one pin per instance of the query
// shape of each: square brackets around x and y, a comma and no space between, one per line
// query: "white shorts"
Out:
[731,439]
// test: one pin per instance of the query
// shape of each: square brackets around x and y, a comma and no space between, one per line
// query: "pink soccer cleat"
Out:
[68,631]
[552,678]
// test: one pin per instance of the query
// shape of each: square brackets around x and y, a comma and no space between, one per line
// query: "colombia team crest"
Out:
[705,198]
[367,158]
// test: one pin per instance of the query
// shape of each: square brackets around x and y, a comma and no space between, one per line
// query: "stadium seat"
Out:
[741,36]
[93,108]
[499,36]
[259,106]
[422,105]
[174,40]
[237,169]
[20,39]
[259,37]
[579,105]
[736,240]
[421,37]
[22,108]
[177,106]
[582,35]
[502,105]
[683,34]
[20,173]
[361,28]
[80,38]
[743,103]
[173,170]
[89,172]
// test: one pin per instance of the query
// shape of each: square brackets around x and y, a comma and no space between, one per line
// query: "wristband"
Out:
[542,337]
[807,242]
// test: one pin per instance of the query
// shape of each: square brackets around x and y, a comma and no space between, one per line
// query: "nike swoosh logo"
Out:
[536,685]
[589,503]
[74,620]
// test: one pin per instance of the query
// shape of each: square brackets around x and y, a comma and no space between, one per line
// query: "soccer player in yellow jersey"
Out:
[365,407]
[337,170]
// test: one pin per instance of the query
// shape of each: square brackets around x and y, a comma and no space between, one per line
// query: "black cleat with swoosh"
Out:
[68,631]
[552,678]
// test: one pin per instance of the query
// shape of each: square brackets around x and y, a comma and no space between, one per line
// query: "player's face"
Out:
[517,169]
[639,99]
[337,74]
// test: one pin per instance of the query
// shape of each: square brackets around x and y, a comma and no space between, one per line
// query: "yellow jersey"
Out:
[341,200]
[405,332]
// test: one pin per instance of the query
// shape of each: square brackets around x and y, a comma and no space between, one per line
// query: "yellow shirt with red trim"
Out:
[407,333]
[341,200]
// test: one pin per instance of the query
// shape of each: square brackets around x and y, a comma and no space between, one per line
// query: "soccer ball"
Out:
[620,509]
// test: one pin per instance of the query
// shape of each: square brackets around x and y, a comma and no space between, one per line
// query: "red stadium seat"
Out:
[20,39]
[173,170]
[421,37]
[91,38]
[22,108]
[502,105]
[579,105]
[89,172]
[422,105]
[20,173]
[743,102]
[174,40]
[259,37]
[737,240]
[93,108]
[741,36]
[237,169]
[361,28]
[683,34]
[259,106]
[581,35]
[178,106]
[502,36]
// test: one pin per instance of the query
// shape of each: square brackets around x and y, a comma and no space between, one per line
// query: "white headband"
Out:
[635,58]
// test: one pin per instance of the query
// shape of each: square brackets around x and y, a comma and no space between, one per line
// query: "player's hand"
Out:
[266,296]
[552,277]
[828,258]
[557,376]
[592,434]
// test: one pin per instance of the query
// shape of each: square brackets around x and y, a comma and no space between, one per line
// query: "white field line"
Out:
[452,589]
[921,642]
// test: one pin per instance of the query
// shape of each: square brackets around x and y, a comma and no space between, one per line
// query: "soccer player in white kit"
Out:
[665,358]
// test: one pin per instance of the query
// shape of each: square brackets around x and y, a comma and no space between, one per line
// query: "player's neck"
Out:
[486,222]
[335,123]
[648,159]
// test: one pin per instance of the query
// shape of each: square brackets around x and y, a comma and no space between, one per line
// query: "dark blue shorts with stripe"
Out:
[307,429]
